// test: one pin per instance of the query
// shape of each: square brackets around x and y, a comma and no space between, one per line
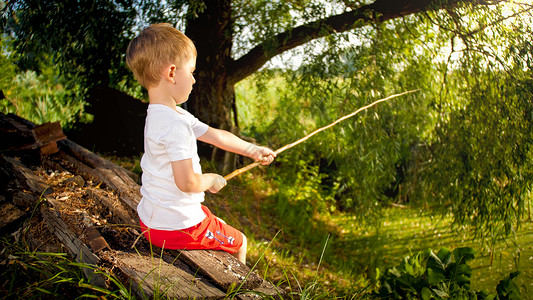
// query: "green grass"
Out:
[28,274]
[355,254]
[318,255]
[408,231]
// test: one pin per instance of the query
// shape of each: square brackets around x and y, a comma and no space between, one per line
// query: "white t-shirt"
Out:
[169,136]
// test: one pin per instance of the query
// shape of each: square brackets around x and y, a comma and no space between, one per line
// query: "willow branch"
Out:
[288,146]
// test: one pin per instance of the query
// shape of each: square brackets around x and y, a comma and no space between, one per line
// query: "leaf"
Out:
[426,293]
[507,289]
[435,262]
[462,273]
[435,276]
[463,255]
[440,293]
[445,256]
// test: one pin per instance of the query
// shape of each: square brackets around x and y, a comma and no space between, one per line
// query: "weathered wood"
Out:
[19,122]
[47,135]
[120,194]
[265,290]
[10,214]
[222,267]
[113,203]
[162,276]
[127,189]
[15,134]
[19,134]
[23,176]
[24,199]
[72,243]
[91,159]
[75,166]
[48,132]
[115,177]
[96,241]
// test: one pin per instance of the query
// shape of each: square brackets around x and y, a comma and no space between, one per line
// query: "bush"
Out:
[446,274]
[39,97]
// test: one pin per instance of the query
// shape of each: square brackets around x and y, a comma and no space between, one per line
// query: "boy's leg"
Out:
[212,233]
[241,253]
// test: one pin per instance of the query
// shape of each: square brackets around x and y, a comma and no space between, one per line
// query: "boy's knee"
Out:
[244,245]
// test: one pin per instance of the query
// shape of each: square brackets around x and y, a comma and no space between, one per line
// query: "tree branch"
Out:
[377,12]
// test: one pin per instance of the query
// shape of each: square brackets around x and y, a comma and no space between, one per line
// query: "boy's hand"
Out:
[218,183]
[262,154]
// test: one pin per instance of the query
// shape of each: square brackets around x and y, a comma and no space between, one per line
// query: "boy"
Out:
[171,214]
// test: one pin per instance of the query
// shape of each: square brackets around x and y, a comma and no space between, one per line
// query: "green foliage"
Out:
[483,139]
[445,275]
[301,199]
[361,160]
[485,148]
[86,39]
[507,288]
[42,275]
[462,143]
[40,98]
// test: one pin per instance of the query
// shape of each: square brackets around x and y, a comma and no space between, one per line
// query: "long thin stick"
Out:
[288,146]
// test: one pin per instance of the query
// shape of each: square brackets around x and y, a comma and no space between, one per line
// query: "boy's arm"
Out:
[228,141]
[190,182]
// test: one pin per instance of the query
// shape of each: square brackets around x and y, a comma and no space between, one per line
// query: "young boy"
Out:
[171,214]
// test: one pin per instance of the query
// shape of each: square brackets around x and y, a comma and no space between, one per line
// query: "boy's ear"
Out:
[170,73]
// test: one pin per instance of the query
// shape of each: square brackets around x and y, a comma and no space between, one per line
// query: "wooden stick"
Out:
[288,146]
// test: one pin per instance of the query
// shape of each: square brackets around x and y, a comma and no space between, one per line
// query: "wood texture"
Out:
[77,190]
[73,244]
[162,276]
[223,268]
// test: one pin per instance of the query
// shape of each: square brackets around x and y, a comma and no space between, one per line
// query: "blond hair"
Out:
[156,47]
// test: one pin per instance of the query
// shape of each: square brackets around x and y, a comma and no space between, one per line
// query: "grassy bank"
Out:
[312,255]
[289,243]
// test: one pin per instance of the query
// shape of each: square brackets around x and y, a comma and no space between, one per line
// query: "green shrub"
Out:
[39,97]
[445,275]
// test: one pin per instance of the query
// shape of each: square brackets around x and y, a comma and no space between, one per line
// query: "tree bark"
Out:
[213,94]
[213,97]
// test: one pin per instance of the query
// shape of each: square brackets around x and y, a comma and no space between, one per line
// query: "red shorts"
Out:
[211,233]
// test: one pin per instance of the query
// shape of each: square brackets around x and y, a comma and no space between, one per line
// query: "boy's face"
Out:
[184,80]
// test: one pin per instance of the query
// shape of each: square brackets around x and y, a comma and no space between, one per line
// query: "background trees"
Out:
[461,144]
[234,39]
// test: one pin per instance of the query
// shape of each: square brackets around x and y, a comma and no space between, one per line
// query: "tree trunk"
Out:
[213,97]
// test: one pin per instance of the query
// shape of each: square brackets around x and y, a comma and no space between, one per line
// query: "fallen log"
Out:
[20,134]
[163,276]
[229,273]
[93,160]
[11,215]
[73,244]
[226,270]
[122,181]
[221,267]
[112,202]
[20,176]
[102,190]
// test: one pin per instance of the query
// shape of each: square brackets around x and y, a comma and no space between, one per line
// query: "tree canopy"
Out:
[462,144]
[234,40]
